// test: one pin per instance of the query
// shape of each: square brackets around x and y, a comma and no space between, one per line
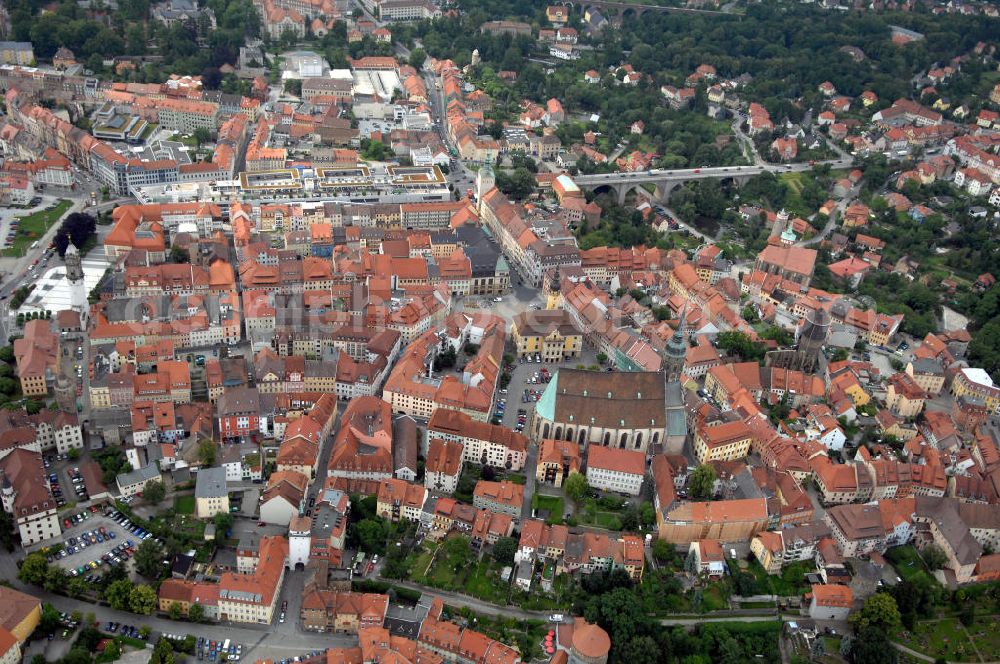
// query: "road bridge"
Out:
[658,183]
[618,11]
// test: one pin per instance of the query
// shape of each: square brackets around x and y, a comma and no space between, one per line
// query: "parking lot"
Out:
[60,473]
[66,481]
[521,379]
[10,216]
[91,543]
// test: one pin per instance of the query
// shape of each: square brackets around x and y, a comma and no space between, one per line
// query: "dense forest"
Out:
[94,36]
[785,49]
[624,610]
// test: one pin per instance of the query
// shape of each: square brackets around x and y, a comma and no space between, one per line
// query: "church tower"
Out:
[7,493]
[780,224]
[675,352]
[553,294]
[674,356]
[77,284]
[486,179]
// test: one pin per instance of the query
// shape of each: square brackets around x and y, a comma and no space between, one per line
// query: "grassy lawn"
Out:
[551,504]
[34,226]
[791,581]
[479,578]
[794,181]
[483,581]
[945,638]
[608,520]
[184,504]
[909,565]
[188,141]
[602,512]
[185,526]
[441,574]
[713,598]
[420,559]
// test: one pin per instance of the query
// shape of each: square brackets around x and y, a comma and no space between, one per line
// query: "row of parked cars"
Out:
[522,418]
[50,459]
[302,658]
[115,556]
[130,631]
[213,650]
[130,527]
[88,538]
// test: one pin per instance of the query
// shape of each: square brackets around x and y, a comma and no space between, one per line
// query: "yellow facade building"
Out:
[722,442]
[549,333]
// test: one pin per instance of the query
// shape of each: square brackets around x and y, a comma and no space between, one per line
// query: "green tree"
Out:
[49,620]
[196,613]
[77,587]
[576,487]
[149,559]
[619,612]
[8,533]
[223,522]
[738,343]
[179,254]
[504,550]
[417,58]
[662,550]
[934,557]
[371,535]
[201,135]
[871,645]
[175,612]
[968,614]
[456,552]
[142,600]
[7,354]
[207,450]
[34,569]
[76,655]
[880,611]
[118,593]
[602,358]
[73,454]
[375,150]
[112,651]
[517,185]
[154,492]
[55,579]
[701,483]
